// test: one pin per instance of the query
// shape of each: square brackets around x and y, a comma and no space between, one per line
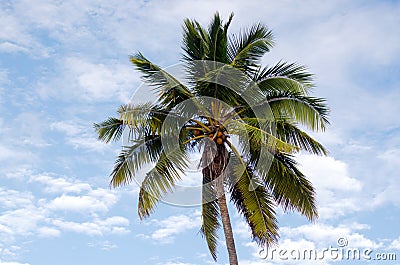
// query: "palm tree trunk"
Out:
[226,223]
[219,164]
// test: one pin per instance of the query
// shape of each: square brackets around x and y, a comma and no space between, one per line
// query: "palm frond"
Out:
[250,129]
[220,81]
[245,50]
[290,187]
[196,41]
[253,201]
[171,90]
[210,214]
[132,158]
[110,129]
[143,119]
[309,111]
[289,133]
[218,39]
[291,71]
[161,179]
[282,84]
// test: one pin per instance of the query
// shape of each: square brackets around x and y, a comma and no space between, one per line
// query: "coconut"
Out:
[196,132]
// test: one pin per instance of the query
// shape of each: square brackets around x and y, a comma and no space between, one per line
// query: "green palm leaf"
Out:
[289,71]
[161,179]
[110,129]
[260,136]
[290,133]
[171,90]
[253,201]
[210,214]
[218,39]
[247,49]
[196,41]
[134,157]
[290,187]
[282,84]
[308,111]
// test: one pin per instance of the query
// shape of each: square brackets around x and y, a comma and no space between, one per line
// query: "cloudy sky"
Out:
[65,65]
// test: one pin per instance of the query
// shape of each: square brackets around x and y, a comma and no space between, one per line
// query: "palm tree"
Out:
[228,165]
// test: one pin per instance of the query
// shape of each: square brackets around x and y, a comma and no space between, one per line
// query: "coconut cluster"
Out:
[219,137]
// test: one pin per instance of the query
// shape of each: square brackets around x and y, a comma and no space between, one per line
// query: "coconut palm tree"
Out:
[232,138]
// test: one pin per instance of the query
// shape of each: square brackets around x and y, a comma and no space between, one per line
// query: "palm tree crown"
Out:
[229,126]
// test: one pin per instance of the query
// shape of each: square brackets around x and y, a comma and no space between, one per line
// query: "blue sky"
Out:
[65,65]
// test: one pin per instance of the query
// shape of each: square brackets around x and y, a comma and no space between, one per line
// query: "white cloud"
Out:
[107,195]
[387,195]
[4,229]
[61,185]
[328,173]
[98,227]
[22,221]
[66,23]
[336,190]
[391,157]
[8,154]
[30,129]
[4,79]
[12,263]
[395,244]
[9,252]
[79,135]
[242,229]
[387,192]
[12,48]
[88,200]
[69,128]
[99,81]
[21,217]
[90,81]
[12,199]
[18,173]
[77,203]
[28,215]
[88,142]
[104,245]
[48,232]
[15,38]
[174,225]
